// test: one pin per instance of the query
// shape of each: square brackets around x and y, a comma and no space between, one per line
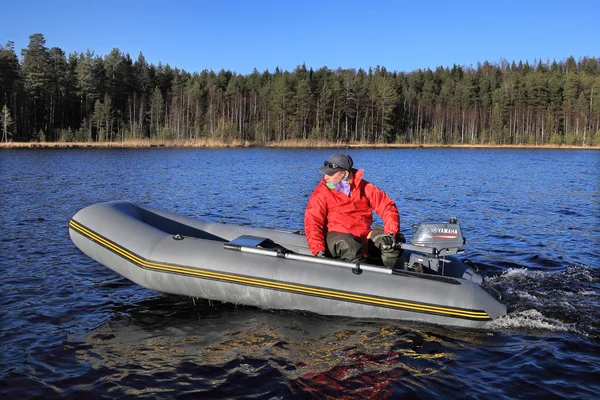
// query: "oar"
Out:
[357,268]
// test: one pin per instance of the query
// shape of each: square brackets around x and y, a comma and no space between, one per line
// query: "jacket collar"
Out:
[357,175]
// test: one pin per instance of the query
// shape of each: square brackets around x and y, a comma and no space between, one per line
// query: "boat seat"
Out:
[255,241]
[247,241]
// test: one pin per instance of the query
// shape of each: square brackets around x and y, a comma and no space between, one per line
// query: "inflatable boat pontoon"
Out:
[274,269]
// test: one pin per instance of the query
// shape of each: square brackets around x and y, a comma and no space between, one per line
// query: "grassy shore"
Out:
[212,143]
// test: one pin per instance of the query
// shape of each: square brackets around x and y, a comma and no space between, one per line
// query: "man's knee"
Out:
[389,257]
[344,246]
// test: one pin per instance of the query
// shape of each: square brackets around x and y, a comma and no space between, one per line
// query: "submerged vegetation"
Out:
[48,96]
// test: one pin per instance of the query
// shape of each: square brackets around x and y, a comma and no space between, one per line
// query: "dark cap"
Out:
[336,163]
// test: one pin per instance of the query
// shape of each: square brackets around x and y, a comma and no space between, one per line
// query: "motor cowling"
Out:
[434,241]
[445,238]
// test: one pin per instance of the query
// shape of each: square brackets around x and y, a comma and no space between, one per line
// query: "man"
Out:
[339,215]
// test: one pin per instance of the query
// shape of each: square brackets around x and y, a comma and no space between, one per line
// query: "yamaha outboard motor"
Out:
[431,243]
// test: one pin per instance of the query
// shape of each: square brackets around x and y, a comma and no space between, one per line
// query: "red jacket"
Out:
[331,211]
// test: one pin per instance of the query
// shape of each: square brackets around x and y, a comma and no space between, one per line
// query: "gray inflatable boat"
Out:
[274,269]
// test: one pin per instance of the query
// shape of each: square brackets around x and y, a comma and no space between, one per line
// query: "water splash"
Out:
[529,319]
[564,300]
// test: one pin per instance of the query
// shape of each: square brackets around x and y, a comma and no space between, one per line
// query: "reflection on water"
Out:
[305,353]
[174,346]
[169,345]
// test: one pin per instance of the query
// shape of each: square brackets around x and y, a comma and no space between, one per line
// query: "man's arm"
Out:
[385,207]
[314,223]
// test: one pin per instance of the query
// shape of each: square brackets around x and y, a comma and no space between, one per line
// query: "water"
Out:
[72,328]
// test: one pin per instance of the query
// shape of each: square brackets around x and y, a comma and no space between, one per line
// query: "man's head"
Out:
[338,167]
[337,163]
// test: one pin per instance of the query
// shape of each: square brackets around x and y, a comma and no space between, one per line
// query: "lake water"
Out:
[72,328]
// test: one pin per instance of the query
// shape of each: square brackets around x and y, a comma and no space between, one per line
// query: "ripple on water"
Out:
[73,328]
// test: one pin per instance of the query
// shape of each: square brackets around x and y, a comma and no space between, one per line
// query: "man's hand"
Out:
[388,242]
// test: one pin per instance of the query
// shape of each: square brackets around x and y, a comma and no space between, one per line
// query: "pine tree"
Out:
[303,101]
[36,66]
[36,77]
[87,85]
[9,73]
[60,89]
[98,119]
[386,93]
[157,105]
[117,87]
[6,121]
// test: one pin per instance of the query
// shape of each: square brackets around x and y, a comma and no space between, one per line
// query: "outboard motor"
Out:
[431,243]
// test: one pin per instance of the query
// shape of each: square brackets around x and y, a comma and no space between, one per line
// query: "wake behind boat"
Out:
[274,269]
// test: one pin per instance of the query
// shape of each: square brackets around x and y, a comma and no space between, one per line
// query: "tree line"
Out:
[49,96]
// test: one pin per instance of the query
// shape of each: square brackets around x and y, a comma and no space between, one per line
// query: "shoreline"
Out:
[215,144]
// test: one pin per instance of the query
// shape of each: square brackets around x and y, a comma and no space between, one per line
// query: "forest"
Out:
[48,96]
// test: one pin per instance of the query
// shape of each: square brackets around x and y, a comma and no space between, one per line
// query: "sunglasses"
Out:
[331,165]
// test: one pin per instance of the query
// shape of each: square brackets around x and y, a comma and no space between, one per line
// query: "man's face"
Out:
[336,177]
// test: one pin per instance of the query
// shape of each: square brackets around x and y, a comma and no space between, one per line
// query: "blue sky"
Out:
[242,35]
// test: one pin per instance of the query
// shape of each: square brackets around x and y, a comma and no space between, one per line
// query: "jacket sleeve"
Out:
[385,207]
[314,222]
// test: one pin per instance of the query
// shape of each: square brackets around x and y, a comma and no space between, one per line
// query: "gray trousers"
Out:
[348,247]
